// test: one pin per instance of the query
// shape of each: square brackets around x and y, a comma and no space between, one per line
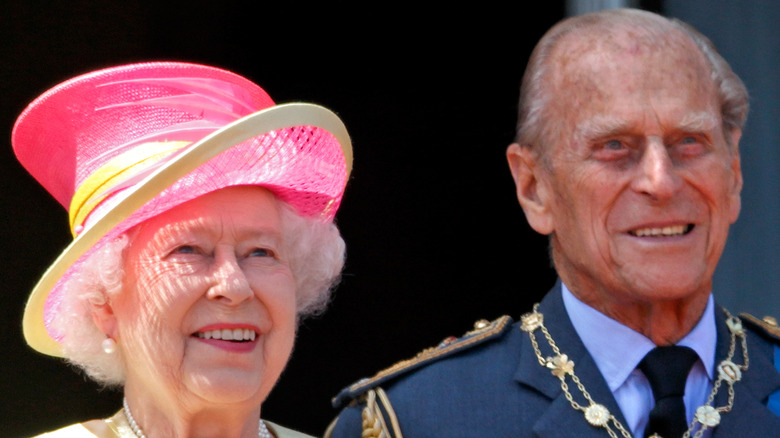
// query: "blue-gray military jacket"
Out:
[490,384]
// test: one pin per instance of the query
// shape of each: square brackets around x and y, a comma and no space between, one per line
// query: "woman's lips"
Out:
[226,334]
[232,338]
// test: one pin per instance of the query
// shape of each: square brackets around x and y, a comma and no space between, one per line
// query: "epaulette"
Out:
[766,326]
[483,331]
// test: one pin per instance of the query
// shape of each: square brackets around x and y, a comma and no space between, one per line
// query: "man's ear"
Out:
[105,320]
[735,196]
[532,192]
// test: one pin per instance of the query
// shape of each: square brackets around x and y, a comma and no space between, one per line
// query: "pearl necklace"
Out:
[598,415]
[262,430]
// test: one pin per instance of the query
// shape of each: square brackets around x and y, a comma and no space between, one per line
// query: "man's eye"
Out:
[691,146]
[612,150]
[614,145]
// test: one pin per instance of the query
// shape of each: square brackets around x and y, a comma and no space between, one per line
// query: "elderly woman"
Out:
[202,216]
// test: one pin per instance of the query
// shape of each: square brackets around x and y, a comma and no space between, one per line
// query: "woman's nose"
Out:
[230,284]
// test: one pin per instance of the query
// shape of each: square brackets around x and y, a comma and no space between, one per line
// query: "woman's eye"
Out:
[261,252]
[185,249]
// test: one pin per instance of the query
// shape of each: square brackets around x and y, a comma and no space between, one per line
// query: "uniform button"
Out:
[770,320]
[481,324]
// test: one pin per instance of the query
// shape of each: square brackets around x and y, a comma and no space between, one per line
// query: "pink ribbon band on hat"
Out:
[120,172]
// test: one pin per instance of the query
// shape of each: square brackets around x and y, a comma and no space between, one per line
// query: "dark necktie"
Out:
[667,369]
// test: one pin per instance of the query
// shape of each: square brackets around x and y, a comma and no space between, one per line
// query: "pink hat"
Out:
[118,146]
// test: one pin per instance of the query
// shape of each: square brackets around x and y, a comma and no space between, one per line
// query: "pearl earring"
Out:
[109,345]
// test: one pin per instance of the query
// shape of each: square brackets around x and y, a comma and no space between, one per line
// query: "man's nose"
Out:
[657,176]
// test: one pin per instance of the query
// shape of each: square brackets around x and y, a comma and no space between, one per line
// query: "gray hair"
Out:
[315,248]
[534,131]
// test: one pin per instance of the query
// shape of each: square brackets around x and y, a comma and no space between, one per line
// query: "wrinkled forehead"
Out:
[626,70]
[585,55]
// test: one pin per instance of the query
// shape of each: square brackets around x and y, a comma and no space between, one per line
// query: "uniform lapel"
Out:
[749,416]
[560,419]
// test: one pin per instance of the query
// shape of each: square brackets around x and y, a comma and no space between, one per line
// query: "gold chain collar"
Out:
[707,416]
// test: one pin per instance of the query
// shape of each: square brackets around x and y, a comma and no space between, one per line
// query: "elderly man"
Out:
[628,159]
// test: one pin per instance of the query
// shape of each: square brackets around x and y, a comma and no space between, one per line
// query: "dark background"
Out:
[435,237]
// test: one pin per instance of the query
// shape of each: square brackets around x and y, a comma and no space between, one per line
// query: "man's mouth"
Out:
[674,230]
[234,335]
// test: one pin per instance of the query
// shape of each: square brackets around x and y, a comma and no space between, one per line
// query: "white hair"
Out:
[316,253]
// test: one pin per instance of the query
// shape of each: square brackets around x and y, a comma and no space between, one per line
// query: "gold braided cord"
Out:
[707,416]
[390,412]
[374,425]
[329,431]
